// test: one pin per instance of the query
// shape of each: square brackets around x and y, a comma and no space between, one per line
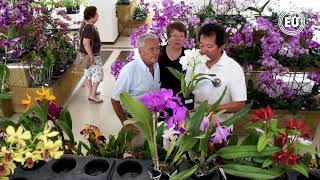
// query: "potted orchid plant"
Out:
[183,134]
[189,62]
[145,114]
[268,152]
[29,150]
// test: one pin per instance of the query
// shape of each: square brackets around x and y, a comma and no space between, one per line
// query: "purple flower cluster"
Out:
[242,37]
[314,77]
[190,43]
[193,21]
[165,14]
[118,64]
[163,100]
[274,87]
[209,21]
[136,33]
[292,48]
[15,15]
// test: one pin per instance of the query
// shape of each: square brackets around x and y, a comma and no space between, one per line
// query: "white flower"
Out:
[192,58]
[169,136]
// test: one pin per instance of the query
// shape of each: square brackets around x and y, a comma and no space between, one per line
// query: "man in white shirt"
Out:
[228,73]
[139,76]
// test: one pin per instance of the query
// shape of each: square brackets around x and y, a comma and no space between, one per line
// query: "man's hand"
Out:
[132,127]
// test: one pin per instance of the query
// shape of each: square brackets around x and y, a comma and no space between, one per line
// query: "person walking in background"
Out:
[90,45]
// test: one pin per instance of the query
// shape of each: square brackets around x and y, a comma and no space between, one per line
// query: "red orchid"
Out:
[286,157]
[299,125]
[264,114]
[283,138]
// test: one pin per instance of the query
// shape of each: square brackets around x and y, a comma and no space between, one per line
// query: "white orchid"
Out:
[169,136]
[192,58]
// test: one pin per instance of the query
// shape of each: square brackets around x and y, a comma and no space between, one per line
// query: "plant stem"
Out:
[156,158]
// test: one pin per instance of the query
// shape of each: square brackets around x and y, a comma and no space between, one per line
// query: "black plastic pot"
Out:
[131,170]
[70,168]
[188,102]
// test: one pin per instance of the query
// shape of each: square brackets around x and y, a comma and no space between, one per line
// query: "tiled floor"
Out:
[102,115]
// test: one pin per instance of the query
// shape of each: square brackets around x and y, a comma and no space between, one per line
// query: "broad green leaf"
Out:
[267,163]
[66,117]
[306,148]
[273,124]
[237,116]
[185,174]
[141,115]
[233,140]
[65,128]
[215,105]
[249,172]
[262,142]
[252,139]
[201,136]
[172,145]
[234,152]
[5,122]
[301,170]
[175,72]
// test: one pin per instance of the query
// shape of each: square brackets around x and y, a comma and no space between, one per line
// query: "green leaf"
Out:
[249,172]
[172,145]
[215,105]
[185,174]
[4,71]
[233,140]
[6,95]
[252,139]
[238,116]
[267,163]
[301,170]
[65,128]
[273,124]
[234,152]
[262,142]
[5,122]
[306,148]
[175,73]
[253,9]
[66,117]
[141,115]
[264,6]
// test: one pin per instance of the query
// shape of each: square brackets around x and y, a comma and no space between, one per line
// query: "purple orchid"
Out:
[222,135]
[161,102]
[204,124]
[54,111]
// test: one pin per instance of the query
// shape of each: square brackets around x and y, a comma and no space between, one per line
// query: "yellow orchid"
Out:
[47,134]
[31,158]
[7,168]
[27,102]
[45,93]
[9,155]
[50,149]
[50,97]
[17,136]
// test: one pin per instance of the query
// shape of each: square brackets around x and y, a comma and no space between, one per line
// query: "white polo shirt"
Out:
[136,79]
[229,73]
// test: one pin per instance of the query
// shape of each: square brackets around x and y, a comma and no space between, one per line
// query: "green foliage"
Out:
[140,13]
